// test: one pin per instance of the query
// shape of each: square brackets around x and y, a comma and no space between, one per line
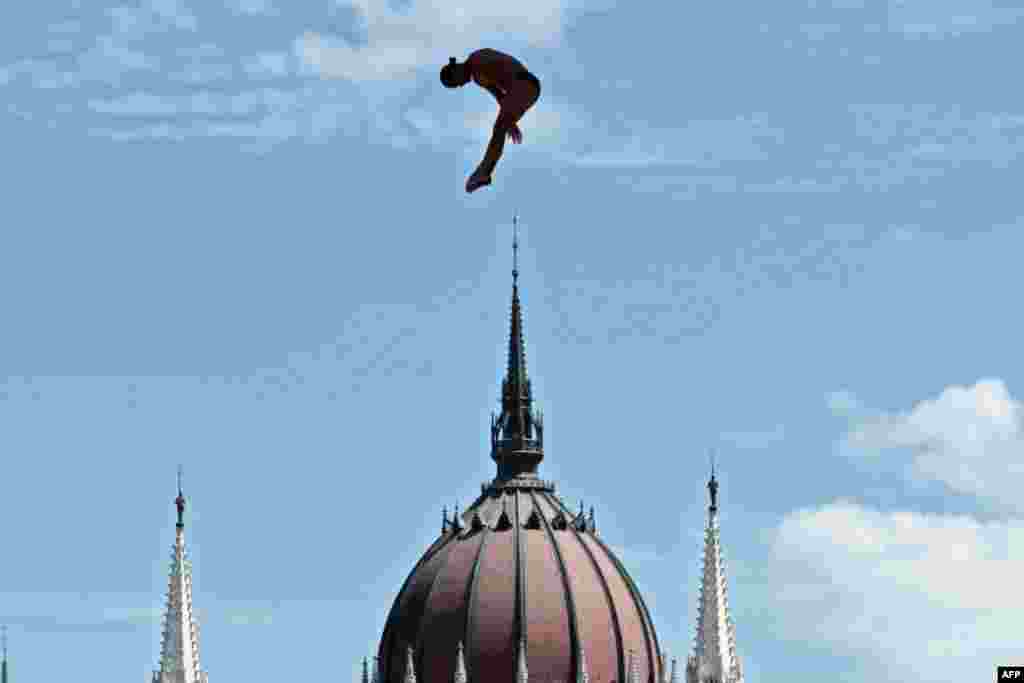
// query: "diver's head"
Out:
[454,74]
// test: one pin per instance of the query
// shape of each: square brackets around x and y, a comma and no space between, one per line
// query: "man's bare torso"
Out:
[493,69]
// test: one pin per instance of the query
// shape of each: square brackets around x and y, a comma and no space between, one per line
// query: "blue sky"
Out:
[234,236]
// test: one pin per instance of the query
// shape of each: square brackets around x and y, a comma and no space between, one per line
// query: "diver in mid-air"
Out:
[516,90]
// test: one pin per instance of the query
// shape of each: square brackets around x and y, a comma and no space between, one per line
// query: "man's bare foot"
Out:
[476,181]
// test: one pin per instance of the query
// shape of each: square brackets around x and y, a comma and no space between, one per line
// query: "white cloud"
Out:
[268,65]
[921,139]
[142,616]
[970,438]
[755,439]
[846,405]
[152,16]
[915,596]
[401,41]
[949,18]
[143,54]
[699,144]
[249,616]
[333,58]
[925,597]
[256,7]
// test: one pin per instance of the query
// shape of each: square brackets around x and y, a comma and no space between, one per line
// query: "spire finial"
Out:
[179,502]
[713,486]
[515,247]
[3,640]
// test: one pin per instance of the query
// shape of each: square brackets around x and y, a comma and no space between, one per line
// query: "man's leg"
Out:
[494,150]
[513,107]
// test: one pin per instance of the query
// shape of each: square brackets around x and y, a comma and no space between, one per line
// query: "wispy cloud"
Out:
[152,16]
[756,439]
[401,41]
[670,305]
[699,144]
[968,438]
[938,587]
[120,612]
[255,7]
[949,18]
[924,137]
[164,69]
[80,612]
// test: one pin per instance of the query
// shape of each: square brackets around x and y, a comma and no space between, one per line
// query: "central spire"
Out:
[516,434]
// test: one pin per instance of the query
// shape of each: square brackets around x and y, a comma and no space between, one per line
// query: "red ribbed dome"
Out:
[518,577]
[521,566]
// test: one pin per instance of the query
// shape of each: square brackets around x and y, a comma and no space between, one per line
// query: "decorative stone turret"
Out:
[179,649]
[714,659]
[410,667]
[460,666]
[581,672]
[632,671]
[522,675]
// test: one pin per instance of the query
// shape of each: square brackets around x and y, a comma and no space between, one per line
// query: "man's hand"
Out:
[514,134]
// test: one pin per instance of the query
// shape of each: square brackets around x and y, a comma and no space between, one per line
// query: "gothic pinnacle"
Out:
[581,672]
[410,667]
[460,666]
[522,675]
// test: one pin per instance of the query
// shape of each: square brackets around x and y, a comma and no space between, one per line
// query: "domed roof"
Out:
[518,581]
